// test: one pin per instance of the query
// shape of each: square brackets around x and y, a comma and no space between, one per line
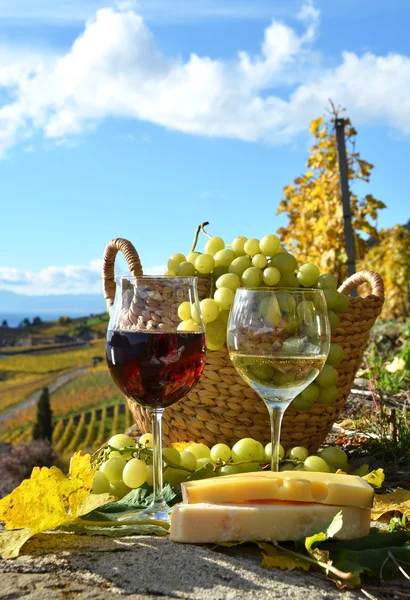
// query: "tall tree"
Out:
[43,427]
[313,204]
[4,323]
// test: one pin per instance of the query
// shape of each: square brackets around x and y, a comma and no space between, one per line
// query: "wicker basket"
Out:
[223,408]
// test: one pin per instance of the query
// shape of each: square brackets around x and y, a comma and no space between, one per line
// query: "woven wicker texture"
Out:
[223,408]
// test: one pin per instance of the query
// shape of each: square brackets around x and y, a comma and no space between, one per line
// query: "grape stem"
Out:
[203,229]
[198,229]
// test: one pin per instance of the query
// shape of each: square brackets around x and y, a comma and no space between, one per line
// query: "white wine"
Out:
[281,377]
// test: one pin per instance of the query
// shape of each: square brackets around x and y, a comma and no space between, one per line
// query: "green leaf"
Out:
[375,562]
[370,542]
[329,531]
[130,505]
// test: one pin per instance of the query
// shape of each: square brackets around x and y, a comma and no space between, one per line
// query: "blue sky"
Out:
[141,120]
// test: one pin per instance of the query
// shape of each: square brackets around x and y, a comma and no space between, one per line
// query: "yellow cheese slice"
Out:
[205,523]
[293,486]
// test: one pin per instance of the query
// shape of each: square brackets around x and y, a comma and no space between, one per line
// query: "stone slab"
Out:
[57,566]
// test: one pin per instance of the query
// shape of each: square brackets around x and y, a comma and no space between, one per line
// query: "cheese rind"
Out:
[291,486]
[212,523]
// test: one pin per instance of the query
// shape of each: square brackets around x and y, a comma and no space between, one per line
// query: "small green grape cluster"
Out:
[254,263]
[126,465]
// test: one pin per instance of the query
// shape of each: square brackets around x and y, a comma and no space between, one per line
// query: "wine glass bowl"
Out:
[278,340]
[154,361]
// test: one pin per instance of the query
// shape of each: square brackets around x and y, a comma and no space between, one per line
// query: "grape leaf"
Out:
[376,562]
[398,501]
[375,478]
[124,530]
[273,557]
[328,531]
[45,501]
[130,505]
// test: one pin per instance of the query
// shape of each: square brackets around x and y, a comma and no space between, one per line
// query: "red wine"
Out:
[155,369]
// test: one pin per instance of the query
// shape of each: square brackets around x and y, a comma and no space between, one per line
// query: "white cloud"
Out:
[115,69]
[71,279]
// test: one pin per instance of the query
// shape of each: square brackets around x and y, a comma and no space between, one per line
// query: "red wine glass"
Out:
[153,356]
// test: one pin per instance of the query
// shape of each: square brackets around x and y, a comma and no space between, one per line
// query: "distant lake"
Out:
[14,319]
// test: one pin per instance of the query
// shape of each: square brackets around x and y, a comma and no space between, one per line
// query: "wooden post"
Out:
[344,187]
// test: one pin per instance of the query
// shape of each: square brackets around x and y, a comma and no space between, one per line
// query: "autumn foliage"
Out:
[315,231]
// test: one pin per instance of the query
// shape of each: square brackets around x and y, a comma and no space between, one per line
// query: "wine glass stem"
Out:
[156,421]
[276,414]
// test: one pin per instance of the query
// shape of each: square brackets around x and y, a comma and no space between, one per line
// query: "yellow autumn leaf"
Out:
[398,501]
[283,562]
[45,501]
[181,446]
[375,478]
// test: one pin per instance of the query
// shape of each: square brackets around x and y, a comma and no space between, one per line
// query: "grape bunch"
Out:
[124,465]
[257,263]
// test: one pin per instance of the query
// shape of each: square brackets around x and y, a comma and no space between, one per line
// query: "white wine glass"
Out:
[278,340]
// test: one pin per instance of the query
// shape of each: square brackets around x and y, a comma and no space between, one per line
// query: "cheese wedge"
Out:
[211,523]
[293,486]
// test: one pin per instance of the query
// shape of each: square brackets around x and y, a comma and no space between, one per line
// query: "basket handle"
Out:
[364,276]
[133,261]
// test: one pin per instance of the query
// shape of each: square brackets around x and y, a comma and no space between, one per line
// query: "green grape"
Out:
[101,485]
[113,468]
[268,451]
[229,470]
[195,314]
[252,277]
[184,311]
[336,355]
[270,311]
[192,256]
[342,305]
[271,276]
[284,262]
[269,244]
[250,467]
[299,453]
[171,455]
[215,334]
[205,263]
[119,489]
[282,250]
[260,261]
[229,280]
[335,457]
[293,346]
[247,449]
[251,247]
[150,475]
[134,473]
[288,281]
[238,244]
[328,376]
[189,325]
[224,257]
[146,440]
[213,245]
[333,319]
[220,452]
[199,450]
[239,265]
[288,466]
[175,260]
[174,476]
[169,274]
[306,311]
[307,398]
[185,269]
[219,270]
[328,395]
[300,403]
[308,275]
[224,298]
[223,317]
[201,462]
[120,440]
[188,460]
[286,301]
[209,310]
[315,463]
[114,453]
[332,298]
[327,282]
